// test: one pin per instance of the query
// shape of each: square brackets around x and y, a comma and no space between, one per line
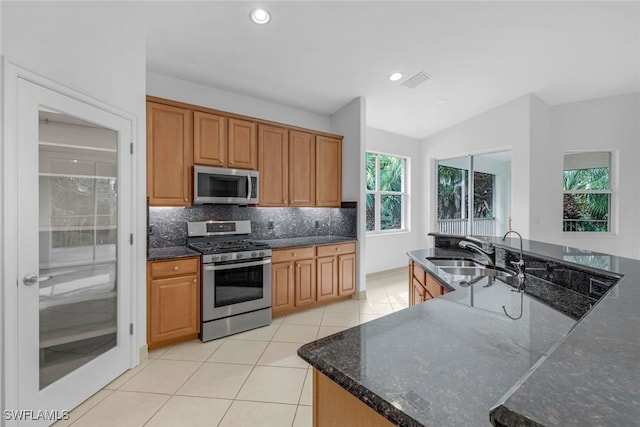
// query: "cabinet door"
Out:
[305,282]
[346,274]
[174,308]
[418,293]
[282,291]
[328,171]
[273,164]
[302,160]
[433,287]
[169,156]
[243,144]
[209,139]
[326,278]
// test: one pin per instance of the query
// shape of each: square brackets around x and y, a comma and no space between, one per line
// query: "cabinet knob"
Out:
[195,280]
[338,249]
[333,261]
[294,254]
[231,162]
[186,200]
[175,268]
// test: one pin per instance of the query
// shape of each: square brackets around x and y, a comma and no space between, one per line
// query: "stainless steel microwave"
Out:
[225,186]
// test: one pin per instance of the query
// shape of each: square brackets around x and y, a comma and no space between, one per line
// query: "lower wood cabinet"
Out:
[292,279]
[303,277]
[327,278]
[304,280]
[173,300]
[422,285]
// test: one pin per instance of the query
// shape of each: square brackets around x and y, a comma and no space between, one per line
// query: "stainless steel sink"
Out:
[450,262]
[479,270]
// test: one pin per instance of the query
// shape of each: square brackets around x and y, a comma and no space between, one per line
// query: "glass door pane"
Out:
[78,211]
[489,194]
[452,196]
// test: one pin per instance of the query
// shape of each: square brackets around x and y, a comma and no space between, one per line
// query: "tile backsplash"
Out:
[169,225]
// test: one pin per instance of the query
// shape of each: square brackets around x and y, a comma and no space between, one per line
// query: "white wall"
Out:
[349,121]
[610,123]
[503,128]
[388,250]
[98,49]
[193,93]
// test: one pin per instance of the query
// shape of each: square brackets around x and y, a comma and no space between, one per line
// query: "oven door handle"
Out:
[238,265]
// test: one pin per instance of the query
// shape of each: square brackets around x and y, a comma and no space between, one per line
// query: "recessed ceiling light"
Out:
[395,77]
[260,16]
[441,101]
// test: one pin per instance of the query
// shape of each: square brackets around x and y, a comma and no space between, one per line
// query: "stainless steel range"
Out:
[236,277]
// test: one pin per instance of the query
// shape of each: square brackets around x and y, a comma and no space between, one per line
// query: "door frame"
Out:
[10,75]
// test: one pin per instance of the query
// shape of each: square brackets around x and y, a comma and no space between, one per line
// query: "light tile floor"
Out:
[250,379]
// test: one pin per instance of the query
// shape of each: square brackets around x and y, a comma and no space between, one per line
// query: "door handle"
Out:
[30,279]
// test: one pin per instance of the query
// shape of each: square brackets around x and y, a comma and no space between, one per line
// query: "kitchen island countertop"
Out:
[445,362]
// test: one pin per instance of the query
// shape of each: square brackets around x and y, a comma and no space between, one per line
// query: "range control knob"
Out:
[215,258]
[223,257]
[261,253]
[254,254]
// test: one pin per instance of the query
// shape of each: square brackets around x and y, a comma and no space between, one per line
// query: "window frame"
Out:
[377,195]
[611,223]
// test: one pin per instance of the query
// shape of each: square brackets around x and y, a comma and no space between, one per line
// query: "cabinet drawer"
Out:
[292,254]
[174,267]
[341,248]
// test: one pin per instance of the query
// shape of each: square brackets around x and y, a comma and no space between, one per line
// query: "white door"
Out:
[74,255]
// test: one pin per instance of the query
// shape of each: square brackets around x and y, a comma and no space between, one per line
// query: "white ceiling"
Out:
[318,56]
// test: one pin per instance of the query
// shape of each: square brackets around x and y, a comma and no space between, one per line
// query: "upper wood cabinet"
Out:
[328,171]
[243,144]
[302,164]
[297,168]
[209,139]
[169,155]
[273,153]
[224,142]
[286,161]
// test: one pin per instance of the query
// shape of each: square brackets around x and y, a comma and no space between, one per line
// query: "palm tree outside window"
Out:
[587,192]
[386,192]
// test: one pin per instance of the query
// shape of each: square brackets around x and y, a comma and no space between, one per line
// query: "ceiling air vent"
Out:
[416,80]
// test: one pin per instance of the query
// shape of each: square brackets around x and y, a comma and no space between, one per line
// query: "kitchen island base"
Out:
[333,406]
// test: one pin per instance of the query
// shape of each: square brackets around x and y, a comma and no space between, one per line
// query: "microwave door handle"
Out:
[249,187]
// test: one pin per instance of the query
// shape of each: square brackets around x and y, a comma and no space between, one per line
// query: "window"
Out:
[386,192]
[587,192]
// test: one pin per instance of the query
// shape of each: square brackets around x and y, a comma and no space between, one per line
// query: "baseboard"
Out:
[360,295]
[380,274]
[143,353]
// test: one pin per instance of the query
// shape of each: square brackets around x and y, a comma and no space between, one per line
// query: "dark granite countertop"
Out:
[451,363]
[171,252]
[307,241]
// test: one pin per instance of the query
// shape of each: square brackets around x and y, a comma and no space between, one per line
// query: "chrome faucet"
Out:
[519,265]
[485,251]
